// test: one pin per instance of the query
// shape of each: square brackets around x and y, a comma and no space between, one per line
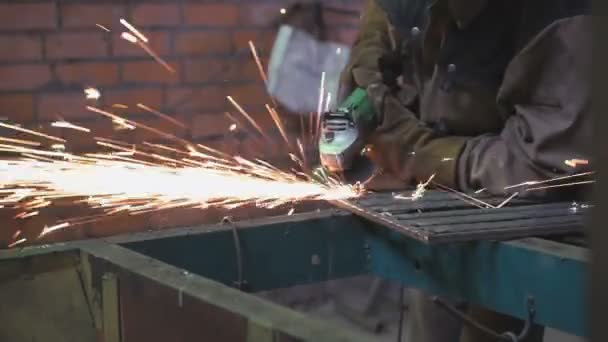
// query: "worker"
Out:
[491,93]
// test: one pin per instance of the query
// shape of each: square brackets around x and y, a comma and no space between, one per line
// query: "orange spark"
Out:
[51,229]
[24,130]
[133,30]
[576,162]
[103,27]
[20,141]
[92,93]
[16,243]
[164,116]
[65,124]
[258,62]
[244,113]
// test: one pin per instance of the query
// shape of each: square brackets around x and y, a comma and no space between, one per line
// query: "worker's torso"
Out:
[457,73]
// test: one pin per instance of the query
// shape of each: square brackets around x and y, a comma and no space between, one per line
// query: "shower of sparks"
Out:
[65,124]
[503,203]
[320,105]
[24,130]
[528,183]
[144,46]
[248,117]
[258,62]
[16,243]
[464,197]
[419,192]
[103,27]
[576,162]
[92,93]
[560,185]
[20,141]
[328,102]
[161,115]
[134,30]
[136,180]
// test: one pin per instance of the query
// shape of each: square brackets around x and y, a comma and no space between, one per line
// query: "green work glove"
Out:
[405,147]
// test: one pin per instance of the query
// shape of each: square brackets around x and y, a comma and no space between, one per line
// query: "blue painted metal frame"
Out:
[315,247]
[276,253]
[496,275]
[287,251]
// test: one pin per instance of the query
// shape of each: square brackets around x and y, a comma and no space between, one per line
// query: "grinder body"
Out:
[344,131]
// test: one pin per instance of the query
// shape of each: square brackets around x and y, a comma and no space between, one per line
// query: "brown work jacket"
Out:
[509,75]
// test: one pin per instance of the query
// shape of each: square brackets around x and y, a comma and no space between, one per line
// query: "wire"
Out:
[401,315]
[239,255]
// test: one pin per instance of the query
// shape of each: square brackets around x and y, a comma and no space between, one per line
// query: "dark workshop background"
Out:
[51,50]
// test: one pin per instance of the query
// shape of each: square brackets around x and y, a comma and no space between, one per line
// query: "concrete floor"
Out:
[319,300]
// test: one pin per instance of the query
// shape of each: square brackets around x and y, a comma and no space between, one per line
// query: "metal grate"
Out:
[441,217]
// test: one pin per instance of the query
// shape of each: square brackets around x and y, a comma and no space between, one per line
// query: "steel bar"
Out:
[439,217]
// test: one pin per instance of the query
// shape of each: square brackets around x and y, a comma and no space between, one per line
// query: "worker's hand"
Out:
[383,181]
[405,146]
[356,77]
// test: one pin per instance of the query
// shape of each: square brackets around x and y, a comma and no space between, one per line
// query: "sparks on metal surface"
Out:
[419,192]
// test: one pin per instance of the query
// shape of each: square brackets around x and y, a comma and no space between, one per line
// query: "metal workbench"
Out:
[180,284]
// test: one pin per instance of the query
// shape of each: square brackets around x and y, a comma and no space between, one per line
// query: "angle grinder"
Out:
[343,138]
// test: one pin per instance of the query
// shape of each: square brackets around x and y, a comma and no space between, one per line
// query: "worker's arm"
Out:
[373,41]
[547,85]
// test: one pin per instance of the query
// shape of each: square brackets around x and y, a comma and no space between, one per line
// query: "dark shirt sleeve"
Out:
[372,42]
[546,93]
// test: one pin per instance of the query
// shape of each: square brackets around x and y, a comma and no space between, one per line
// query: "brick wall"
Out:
[51,50]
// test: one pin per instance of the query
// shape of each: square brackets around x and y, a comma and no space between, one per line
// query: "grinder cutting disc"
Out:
[361,170]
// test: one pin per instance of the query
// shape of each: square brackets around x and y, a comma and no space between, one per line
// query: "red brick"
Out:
[156,15]
[86,16]
[140,135]
[158,41]
[250,94]
[17,108]
[263,40]
[53,106]
[259,14]
[204,125]
[196,100]
[76,45]
[216,15]
[151,97]
[28,16]
[24,77]
[20,48]
[213,70]
[88,74]
[221,70]
[201,43]
[149,72]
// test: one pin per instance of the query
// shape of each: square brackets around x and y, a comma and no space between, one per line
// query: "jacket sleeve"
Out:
[372,42]
[546,91]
